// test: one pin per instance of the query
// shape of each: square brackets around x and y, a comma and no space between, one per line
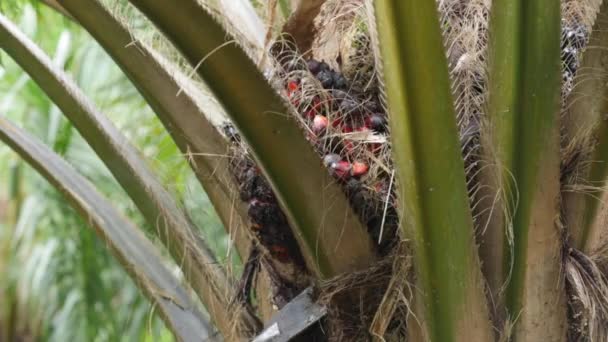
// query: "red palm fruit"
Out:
[347,129]
[359,169]
[342,169]
[280,252]
[319,123]
[316,104]
[336,122]
[348,146]
[374,147]
[316,108]
[292,86]
[379,186]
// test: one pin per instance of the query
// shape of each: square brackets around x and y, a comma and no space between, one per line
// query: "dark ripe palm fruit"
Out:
[254,186]
[265,214]
[326,79]
[324,66]
[569,56]
[377,122]
[349,106]
[339,81]
[356,195]
[314,66]
[373,106]
[478,86]
[338,96]
[231,133]
[262,191]
[575,36]
[247,181]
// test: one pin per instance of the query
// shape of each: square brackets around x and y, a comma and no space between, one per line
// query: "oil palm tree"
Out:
[421,197]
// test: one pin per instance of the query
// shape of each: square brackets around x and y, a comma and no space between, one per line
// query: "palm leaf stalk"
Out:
[426,149]
[300,25]
[172,225]
[315,206]
[54,4]
[242,18]
[196,136]
[135,252]
[524,88]
[585,127]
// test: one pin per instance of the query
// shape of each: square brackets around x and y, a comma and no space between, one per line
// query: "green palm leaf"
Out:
[171,224]
[137,254]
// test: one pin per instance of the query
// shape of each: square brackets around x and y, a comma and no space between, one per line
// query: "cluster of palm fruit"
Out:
[574,39]
[269,226]
[348,127]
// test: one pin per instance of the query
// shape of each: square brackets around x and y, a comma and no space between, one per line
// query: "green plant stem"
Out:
[586,128]
[450,305]
[522,136]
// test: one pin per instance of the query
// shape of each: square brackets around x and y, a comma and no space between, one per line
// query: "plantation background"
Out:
[57,283]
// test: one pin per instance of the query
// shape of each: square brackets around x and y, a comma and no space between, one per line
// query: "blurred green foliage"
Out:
[57,280]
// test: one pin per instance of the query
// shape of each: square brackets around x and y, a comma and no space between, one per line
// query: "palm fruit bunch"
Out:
[341,114]
[268,224]
[348,126]
[574,38]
